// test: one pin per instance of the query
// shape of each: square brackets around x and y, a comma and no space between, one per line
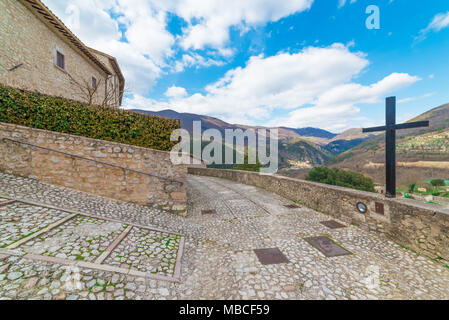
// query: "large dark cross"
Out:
[390,148]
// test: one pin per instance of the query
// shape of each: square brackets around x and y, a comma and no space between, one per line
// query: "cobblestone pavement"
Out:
[218,261]
[18,221]
[147,251]
[80,239]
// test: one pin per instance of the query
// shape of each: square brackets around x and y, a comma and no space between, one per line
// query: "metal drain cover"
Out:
[332,224]
[205,212]
[327,247]
[271,256]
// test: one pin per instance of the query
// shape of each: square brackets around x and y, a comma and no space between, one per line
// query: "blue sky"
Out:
[292,62]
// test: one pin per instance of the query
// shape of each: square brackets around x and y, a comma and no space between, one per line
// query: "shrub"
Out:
[248,167]
[67,116]
[437,182]
[341,178]
[412,187]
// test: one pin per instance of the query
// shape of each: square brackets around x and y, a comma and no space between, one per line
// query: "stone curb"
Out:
[177,273]
[3,256]
[100,267]
[111,248]
[76,212]
[5,203]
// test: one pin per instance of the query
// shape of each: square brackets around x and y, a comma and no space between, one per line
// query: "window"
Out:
[94,82]
[60,60]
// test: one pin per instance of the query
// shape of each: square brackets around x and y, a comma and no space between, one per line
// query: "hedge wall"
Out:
[66,116]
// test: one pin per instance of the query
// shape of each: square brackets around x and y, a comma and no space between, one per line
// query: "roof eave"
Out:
[52,21]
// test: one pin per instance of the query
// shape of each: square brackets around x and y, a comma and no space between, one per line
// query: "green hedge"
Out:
[437,182]
[342,178]
[66,116]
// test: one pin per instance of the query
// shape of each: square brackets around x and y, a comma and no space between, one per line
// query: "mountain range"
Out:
[421,152]
[299,146]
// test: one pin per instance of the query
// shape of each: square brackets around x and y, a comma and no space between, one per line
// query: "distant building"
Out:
[39,53]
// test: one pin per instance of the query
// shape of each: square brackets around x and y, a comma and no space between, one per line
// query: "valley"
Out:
[421,153]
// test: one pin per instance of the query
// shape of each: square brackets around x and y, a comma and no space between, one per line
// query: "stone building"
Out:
[39,53]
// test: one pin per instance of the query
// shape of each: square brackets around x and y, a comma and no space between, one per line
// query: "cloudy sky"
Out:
[289,63]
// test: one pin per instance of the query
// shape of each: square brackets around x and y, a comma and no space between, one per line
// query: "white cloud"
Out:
[140,72]
[316,86]
[135,31]
[210,21]
[195,60]
[146,29]
[410,99]
[439,22]
[87,19]
[92,22]
[341,3]
[337,108]
[176,92]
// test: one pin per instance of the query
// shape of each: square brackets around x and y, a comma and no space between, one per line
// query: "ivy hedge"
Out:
[45,112]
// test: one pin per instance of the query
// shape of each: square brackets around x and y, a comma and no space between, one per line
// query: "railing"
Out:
[95,161]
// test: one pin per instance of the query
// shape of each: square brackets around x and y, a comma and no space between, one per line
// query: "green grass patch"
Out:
[78,257]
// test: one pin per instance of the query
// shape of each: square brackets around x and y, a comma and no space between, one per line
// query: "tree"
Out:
[89,92]
[113,93]
[342,178]
[248,167]
[85,88]
[437,182]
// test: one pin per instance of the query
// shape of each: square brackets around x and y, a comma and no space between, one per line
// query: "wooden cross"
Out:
[390,148]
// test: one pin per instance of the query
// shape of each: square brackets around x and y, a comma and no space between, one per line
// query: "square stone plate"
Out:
[271,256]
[332,224]
[327,247]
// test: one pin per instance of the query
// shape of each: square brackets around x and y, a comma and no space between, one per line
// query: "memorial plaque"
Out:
[327,247]
[271,256]
[332,224]
[205,212]
[380,208]
[292,206]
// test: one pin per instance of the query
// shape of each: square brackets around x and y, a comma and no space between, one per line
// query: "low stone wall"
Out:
[440,200]
[418,226]
[113,170]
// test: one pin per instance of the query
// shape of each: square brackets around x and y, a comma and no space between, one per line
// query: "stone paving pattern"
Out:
[147,251]
[79,239]
[18,220]
[219,260]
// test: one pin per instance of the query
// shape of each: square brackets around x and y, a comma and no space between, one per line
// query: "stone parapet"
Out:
[421,227]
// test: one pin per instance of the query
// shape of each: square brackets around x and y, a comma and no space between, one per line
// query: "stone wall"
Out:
[24,39]
[114,170]
[417,226]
